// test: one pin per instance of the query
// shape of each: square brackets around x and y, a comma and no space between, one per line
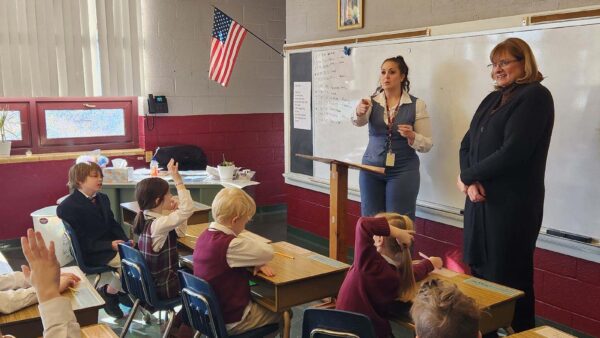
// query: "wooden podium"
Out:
[338,196]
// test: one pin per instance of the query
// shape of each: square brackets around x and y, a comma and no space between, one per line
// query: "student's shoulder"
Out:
[70,201]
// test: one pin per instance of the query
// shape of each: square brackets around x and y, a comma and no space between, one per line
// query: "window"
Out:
[73,124]
[18,124]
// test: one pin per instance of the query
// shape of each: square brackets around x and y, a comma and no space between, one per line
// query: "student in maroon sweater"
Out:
[382,271]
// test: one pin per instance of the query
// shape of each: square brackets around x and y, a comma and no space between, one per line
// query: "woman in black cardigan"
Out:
[502,164]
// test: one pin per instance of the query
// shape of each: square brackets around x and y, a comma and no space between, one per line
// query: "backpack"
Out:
[189,157]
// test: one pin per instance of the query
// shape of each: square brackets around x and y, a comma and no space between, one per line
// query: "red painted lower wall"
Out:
[31,186]
[251,140]
[567,288]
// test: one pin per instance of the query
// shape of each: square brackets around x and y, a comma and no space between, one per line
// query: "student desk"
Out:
[497,302]
[26,323]
[130,209]
[542,332]
[98,331]
[301,276]
[188,243]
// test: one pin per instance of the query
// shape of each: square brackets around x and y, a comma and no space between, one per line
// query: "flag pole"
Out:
[249,31]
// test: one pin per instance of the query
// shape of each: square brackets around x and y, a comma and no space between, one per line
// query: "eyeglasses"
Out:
[502,63]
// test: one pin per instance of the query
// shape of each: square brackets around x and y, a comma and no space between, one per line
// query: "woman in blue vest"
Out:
[398,127]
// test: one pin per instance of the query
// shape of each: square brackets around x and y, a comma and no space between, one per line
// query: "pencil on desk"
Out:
[284,255]
[186,235]
[423,255]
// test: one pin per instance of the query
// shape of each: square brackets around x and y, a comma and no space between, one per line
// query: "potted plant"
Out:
[4,132]
[226,170]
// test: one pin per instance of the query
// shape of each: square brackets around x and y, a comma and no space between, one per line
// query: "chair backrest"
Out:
[201,306]
[136,275]
[78,254]
[336,323]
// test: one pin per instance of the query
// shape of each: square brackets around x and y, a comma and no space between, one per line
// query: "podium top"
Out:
[371,168]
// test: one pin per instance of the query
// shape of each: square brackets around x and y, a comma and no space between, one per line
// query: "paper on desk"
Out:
[236,183]
[552,333]
[327,261]
[483,284]
[193,173]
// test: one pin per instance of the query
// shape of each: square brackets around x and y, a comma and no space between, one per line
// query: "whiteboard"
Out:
[449,73]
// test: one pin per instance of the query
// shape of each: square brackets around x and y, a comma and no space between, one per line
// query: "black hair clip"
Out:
[347,50]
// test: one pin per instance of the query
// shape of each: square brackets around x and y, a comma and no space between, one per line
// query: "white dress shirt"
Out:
[177,219]
[15,292]
[58,319]
[422,127]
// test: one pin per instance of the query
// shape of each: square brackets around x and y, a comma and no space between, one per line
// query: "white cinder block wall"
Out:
[309,20]
[176,49]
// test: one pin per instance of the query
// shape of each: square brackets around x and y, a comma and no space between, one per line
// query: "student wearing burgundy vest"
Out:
[222,258]
[382,271]
[159,223]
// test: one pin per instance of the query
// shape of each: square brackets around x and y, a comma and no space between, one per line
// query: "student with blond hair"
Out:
[222,257]
[441,310]
[382,271]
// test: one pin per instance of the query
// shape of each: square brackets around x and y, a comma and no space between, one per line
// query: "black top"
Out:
[94,225]
[505,150]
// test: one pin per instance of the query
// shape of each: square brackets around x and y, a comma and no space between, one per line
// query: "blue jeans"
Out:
[394,192]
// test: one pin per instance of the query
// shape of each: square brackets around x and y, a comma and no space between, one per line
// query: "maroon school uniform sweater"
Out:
[230,284]
[371,284]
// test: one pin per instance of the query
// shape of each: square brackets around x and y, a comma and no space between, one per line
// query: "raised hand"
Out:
[43,271]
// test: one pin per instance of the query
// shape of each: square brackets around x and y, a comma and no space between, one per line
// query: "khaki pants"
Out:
[257,317]
[115,281]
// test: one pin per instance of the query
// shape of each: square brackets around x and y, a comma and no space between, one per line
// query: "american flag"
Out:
[227,38]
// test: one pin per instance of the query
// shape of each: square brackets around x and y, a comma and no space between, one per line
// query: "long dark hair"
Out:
[398,60]
[149,193]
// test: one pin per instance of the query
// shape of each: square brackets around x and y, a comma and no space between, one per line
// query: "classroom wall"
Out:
[176,51]
[244,120]
[308,20]
[567,288]
[253,140]
[30,186]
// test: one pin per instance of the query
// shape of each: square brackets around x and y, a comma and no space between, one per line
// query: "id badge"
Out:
[390,159]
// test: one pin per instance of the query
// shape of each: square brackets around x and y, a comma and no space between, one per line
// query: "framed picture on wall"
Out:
[350,14]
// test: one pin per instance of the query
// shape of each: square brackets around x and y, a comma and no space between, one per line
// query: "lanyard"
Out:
[391,119]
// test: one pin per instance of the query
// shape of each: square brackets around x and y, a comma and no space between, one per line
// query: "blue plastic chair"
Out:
[78,255]
[203,311]
[140,285]
[319,323]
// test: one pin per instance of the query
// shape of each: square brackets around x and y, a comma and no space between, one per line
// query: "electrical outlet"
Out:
[148,155]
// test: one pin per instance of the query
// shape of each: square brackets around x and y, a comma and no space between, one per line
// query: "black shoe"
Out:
[111,305]
[125,300]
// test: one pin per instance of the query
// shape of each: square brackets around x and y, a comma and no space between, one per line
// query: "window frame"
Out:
[33,124]
[24,108]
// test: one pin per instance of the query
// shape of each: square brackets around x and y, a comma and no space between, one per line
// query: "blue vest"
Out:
[406,156]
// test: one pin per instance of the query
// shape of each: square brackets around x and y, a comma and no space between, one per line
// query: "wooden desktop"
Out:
[496,302]
[85,301]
